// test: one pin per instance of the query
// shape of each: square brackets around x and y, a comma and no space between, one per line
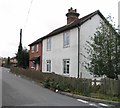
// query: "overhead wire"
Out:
[27,18]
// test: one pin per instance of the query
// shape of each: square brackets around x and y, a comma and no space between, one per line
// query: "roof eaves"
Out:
[72,25]
[35,42]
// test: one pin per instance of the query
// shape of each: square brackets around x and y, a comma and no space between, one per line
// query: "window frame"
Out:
[48,65]
[65,66]
[66,39]
[48,44]
[37,47]
[32,49]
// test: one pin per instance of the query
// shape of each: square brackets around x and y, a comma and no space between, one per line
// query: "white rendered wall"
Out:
[58,53]
[87,29]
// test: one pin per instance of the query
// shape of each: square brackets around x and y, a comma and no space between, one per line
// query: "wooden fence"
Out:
[107,86]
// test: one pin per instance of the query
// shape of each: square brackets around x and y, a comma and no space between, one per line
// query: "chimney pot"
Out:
[72,15]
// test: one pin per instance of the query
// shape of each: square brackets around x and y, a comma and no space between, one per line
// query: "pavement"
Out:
[19,90]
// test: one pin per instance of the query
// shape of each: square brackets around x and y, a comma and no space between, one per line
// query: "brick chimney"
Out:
[72,15]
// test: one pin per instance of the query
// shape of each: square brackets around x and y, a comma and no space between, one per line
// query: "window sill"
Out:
[48,50]
[66,74]
[66,46]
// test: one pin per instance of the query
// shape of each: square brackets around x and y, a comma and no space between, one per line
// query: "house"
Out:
[62,48]
[35,55]
[13,61]
[4,61]
[0,61]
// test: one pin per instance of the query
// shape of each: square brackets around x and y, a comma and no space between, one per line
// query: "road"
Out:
[18,91]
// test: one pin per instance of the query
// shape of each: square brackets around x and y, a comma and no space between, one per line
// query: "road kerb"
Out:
[91,99]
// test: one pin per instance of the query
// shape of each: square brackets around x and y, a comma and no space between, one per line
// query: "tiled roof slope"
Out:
[36,42]
[76,23]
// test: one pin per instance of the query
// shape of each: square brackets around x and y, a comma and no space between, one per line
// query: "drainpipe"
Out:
[78,51]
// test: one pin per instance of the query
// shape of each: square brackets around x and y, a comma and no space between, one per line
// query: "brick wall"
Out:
[36,54]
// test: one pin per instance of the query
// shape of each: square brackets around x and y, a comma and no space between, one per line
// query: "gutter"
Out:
[78,50]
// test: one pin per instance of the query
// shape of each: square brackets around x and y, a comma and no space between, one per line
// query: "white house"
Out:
[62,48]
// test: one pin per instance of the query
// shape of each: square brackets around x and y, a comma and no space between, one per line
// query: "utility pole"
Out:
[20,44]
[19,54]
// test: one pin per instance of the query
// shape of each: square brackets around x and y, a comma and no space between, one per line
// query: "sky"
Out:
[39,17]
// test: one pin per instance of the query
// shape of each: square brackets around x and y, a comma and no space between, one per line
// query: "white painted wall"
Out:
[58,53]
[87,29]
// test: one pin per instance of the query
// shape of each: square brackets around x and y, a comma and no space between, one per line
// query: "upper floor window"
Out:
[32,49]
[37,47]
[48,44]
[66,39]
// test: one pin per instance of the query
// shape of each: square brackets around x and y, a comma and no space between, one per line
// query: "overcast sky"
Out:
[44,16]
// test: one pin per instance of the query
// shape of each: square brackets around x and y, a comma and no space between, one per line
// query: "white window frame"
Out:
[49,44]
[48,65]
[32,48]
[66,39]
[66,66]
[37,46]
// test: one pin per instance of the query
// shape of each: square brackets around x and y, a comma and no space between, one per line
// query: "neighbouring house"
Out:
[0,61]
[61,50]
[4,61]
[35,55]
[13,61]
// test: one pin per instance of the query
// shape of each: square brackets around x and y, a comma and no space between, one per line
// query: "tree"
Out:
[22,55]
[104,52]
[23,58]
[8,61]
[25,55]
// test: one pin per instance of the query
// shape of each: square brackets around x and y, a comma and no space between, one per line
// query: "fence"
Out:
[85,87]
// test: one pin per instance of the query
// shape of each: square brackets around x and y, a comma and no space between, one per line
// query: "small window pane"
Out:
[48,44]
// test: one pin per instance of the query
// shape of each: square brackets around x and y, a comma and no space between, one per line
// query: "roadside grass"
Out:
[105,97]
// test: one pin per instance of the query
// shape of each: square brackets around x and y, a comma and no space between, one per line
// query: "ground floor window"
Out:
[48,65]
[66,66]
